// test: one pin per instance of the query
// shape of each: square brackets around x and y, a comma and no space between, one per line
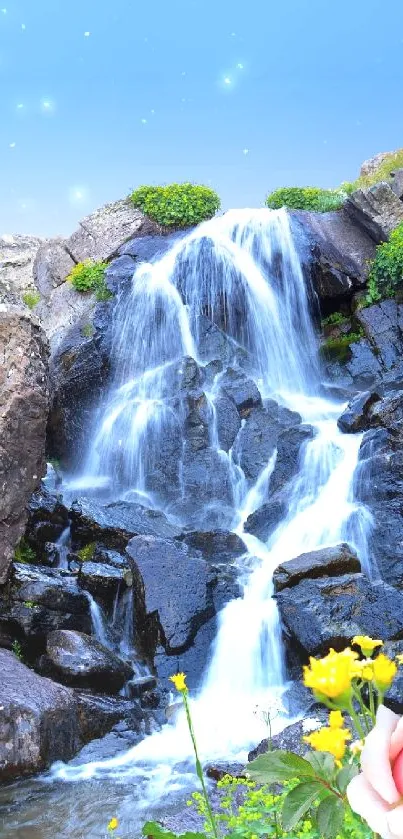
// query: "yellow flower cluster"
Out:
[366,644]
[331,738]
[331,677]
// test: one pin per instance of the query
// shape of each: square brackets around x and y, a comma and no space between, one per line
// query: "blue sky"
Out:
[98,97]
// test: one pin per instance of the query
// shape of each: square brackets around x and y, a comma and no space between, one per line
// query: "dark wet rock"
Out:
[214,344]
[263,522]
[394,696]
[198,417]
[39,721]
[326,562]
[140,685]
[256,442]
[396,183]
[336,253]
[377,210]
[379,486]
[206,479]
[387,412]
[110,557]
[115,523]
[99,713]
[23,412]
[290,445]
[104,581]
[78,660]
[48,517]
[79,373]
[363,365]
[228,421]
[241,390]
[47,587]
[216,546]
[328,612]
[171,591]
[356,416]
[190,374]
[120,273]
[193,661]
[382,324]
[148,248]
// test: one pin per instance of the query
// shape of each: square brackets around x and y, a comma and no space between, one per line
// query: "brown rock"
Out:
[23,416]
[38,720]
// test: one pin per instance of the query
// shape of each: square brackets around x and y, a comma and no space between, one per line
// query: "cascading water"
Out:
[241,273]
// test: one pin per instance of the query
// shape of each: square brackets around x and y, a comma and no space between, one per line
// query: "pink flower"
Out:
[375,793]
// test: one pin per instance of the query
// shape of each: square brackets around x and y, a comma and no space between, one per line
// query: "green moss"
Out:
[90,276]
[88,330]
[24,553]
[306,198]
[335,319]
[17,650]
[86,553]
[339,347]
[30,604]
[177,205]
[31,298]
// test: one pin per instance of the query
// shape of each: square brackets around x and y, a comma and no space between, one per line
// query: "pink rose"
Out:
[373,793]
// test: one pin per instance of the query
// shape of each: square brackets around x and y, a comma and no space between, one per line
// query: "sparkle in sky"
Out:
[98,98]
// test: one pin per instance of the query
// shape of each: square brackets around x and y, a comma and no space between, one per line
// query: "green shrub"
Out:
[87,330]
[90,276]
[386,274]
[339,347]
[306,198]
[17,650]
[335,319]
[31,298]
[24,553]
[177,205]
[86,553]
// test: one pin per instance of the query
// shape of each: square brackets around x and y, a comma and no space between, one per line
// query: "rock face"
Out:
[355,417]
[39,722]
[370,166]
[23,414]
[17,255]
[327,562]
[76,659]
[328,612]
[377,210]
[115,523]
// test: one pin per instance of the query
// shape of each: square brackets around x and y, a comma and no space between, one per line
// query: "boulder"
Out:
[394,696]
[23,414]
[228,421]
[101,234]
[65,309]
[114,524]
[325,562]
[356,416]
[397,183]
[371,166]
[216,546]
[48,517]
[387,412]
[171,589]
[290,446]
[242,391]
[256,441]
[52,264]
[39,720]
[363,365]
[77,659]
[17,255]
[207,489]
[382,324]
[99,713]
[327,612]
[103,581]
[263,521]
[377,210]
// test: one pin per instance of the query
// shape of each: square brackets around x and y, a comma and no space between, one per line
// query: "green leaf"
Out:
[330,817]
[323,764]
[346,774]
[298,802]
[277,766]
[155,830]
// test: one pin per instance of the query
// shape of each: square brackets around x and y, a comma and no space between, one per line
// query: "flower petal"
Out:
[396,743]
[369,805]
[375,760]
[395,822]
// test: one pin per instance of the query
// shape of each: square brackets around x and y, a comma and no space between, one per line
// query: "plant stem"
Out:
[199,768]
[356,721]
[372,702]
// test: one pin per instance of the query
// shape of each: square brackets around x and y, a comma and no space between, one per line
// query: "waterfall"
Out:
[242,272]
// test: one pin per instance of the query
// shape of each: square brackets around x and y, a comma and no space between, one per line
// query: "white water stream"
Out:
[242,271]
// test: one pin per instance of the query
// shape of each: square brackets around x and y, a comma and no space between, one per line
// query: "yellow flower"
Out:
[366,644]
[179,681]
[367,671]
[113,824]
[384,672]
[336,719]
[330,676]
[331,740]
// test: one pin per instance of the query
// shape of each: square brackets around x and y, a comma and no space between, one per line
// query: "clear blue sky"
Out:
[98,96]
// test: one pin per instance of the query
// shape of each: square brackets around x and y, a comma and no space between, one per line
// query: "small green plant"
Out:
[31,298]
[386,273]
[87,330]
[24,553]
[306,198]
[17,650]
[86,553]
[30,604]
[177,205]
[90,276]
[335,319]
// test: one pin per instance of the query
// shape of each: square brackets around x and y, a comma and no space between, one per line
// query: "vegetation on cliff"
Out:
[177,205]
[90,276]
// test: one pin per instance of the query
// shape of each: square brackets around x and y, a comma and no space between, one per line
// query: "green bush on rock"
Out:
[306,198]
[90,276]
[177,205]
[31,298]
[386,274]
[24,553]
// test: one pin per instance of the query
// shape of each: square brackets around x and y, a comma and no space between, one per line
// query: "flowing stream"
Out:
[242,272]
